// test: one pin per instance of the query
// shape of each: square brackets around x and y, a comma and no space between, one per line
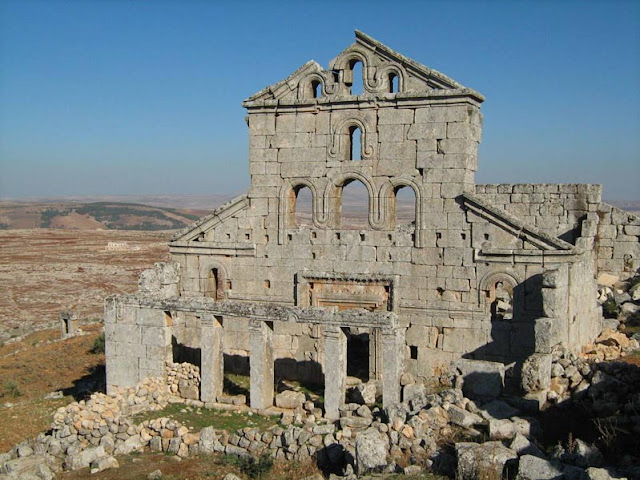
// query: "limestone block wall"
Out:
[617,241]
[137,343]
[557,209]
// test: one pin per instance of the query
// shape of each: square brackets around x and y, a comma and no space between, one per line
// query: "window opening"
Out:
[393,83]
[355,206]
[405,203]
[355,143]
[316,87]
[414,352]
[214,286]
[356,86]
[502,301]
[302,206]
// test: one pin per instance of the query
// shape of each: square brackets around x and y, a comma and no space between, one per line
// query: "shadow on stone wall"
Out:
[93,382]
[183,353]
[512,340]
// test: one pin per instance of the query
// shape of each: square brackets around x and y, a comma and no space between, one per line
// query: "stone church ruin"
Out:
[490,277]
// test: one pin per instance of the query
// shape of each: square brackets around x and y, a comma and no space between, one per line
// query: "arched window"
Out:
[214,284]
[356,86]
[354,206]
[405,206]
[393,83]
[316,88]
[302,206]
[355,143]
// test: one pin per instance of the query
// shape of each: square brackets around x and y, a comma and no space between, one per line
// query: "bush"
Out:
[98,344]
[250,466]
[610,308]
[11,389]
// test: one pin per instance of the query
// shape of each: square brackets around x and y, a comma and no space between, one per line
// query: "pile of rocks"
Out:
[620,300]
[89,432]
[183,380]
[610,345]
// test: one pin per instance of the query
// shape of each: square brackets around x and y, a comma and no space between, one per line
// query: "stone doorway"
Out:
[358,354]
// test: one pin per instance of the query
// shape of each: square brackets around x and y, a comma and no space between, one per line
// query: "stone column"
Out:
[335,370]
[393,352]
[261,364]
[212,355]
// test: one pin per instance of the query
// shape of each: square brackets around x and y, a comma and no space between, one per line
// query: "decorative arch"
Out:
[383,76]
[339,144]
[333,198]
[213,279]
[388,198]
[307,86]
[286,204]
[500,287]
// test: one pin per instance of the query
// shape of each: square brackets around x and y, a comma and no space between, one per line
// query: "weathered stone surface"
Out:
[371,450]
[84,458]
[462,418]
[482,460]
[290,399]
[536,373]
[481,379]
[535,468]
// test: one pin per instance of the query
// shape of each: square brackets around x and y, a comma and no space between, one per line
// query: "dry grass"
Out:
[40,364]
[207,467]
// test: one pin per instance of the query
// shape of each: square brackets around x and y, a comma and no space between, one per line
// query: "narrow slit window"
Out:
[357,78]
[316,87]
[393,83]
[355,143]
[414,352]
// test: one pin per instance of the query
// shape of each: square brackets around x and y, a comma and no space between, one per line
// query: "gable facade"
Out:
[485,272]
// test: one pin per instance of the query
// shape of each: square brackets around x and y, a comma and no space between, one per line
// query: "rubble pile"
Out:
[183,380]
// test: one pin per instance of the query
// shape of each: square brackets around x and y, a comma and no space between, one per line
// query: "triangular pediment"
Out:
[209,222]
[380,65]
[532,238]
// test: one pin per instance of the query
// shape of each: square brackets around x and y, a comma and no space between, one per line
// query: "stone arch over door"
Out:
[213,279]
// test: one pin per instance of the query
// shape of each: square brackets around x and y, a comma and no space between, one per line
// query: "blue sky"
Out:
[120,97]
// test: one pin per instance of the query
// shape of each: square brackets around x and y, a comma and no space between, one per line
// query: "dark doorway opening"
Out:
[358,356]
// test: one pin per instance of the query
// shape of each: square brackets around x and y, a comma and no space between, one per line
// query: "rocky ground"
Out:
[44,271]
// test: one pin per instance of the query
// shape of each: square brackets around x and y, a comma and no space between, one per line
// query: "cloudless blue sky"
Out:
[123,97]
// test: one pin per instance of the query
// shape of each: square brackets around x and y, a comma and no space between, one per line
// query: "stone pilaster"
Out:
[212,364]
[335,370]
[261,364]
[393,347]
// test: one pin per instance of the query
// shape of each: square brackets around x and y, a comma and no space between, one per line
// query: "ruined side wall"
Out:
[557,209]
[137,344]
[618,241]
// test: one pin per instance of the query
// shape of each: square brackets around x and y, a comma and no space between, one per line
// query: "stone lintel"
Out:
[264,312]
[213,248]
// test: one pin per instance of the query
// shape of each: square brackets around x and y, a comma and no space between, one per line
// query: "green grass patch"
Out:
[250,466]
[235,384]
[198,418]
